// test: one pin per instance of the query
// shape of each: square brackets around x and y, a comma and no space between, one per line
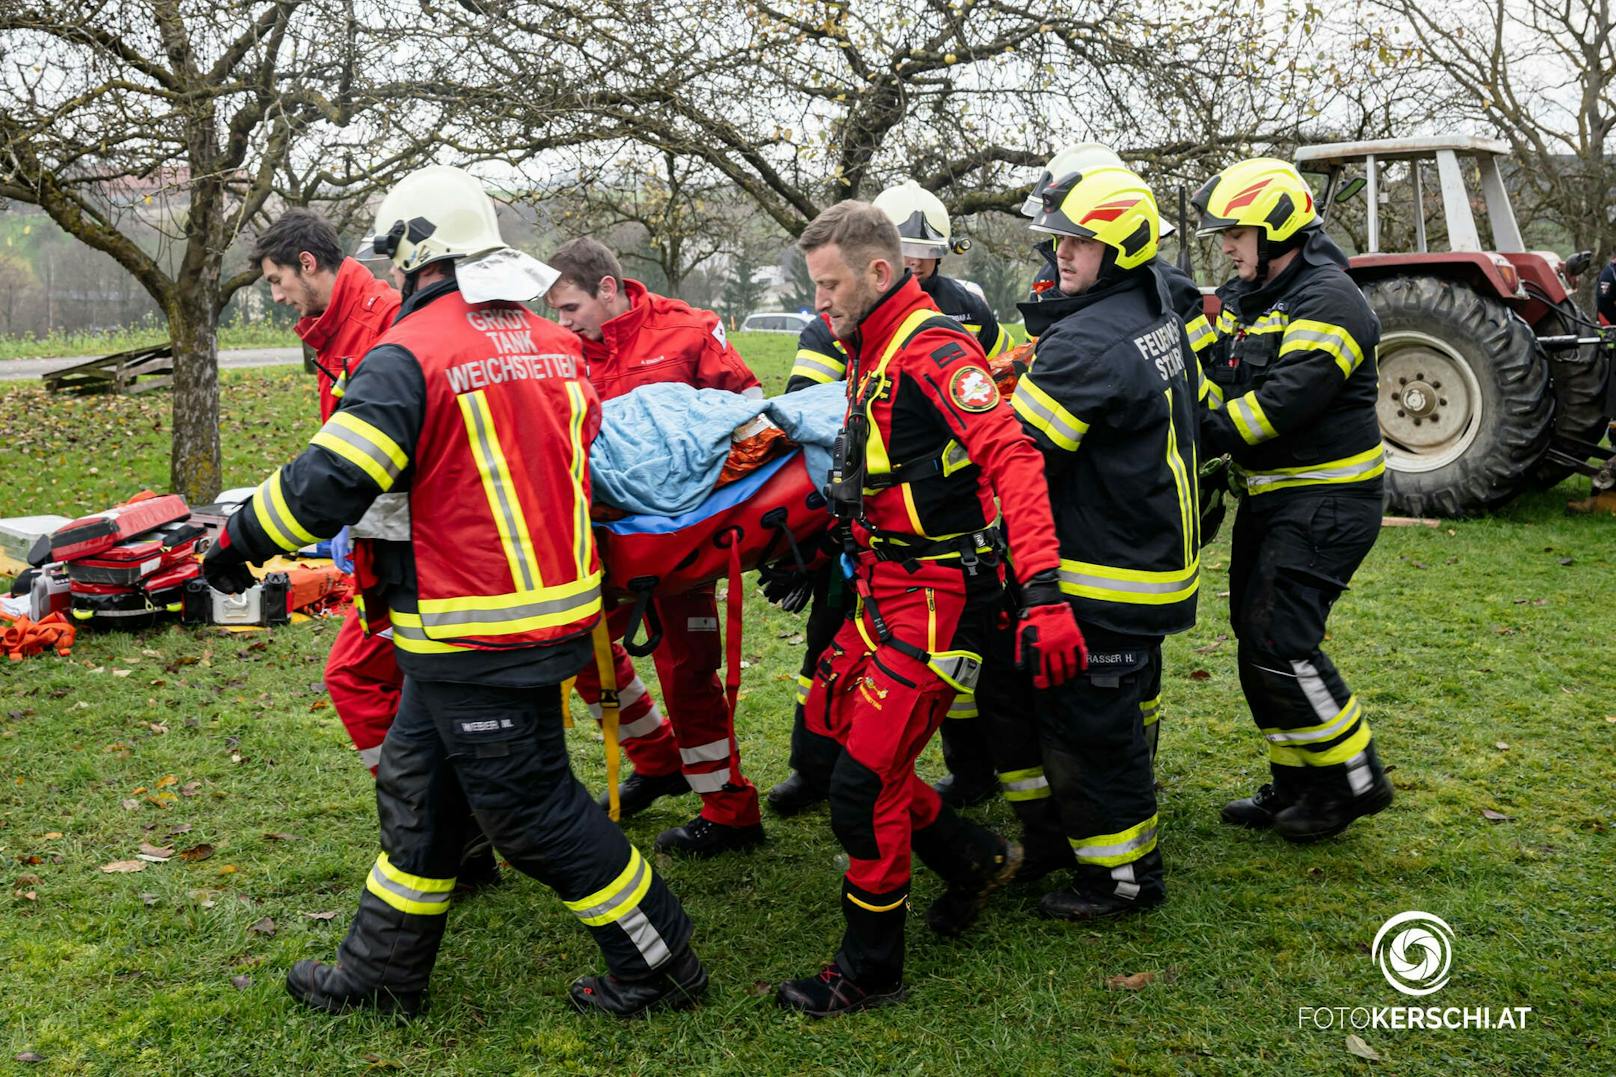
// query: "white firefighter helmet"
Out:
[440,212]
[922,220]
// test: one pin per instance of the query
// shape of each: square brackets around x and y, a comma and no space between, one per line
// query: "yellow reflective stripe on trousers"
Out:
[364,446]
[804,684]
[275,516]
[617,898]
[511,614]
[1043,412]
[1187,506]
[1136,586]
[1200,333]
[1111,850]
[1324,731]
[964,706]
[1149,711]
[415,894]
[1304,334]
[585,535]
[1357,468]
[1250,419]
[1023,785]
[501,492]
[817,366]
[1288,756]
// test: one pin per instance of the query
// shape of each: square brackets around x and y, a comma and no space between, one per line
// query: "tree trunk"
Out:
[193,325]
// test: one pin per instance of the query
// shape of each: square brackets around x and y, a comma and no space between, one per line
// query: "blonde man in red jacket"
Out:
[633,337]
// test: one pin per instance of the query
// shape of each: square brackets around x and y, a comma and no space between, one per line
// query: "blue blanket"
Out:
[661,447]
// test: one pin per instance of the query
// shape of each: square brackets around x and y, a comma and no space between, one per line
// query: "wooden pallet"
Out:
[134,371]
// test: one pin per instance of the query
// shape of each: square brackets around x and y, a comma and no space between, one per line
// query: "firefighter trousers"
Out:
[1293,555]
[502,753]
[697,736]
[881,702]
[363,680]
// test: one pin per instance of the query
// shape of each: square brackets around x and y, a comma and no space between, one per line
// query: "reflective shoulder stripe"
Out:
[1124,847]
[415,894]
[1043,412]
[617,898]
[274,515]
[364,446]
[1305,334]
[1250,419]
[1140,587]
[1200,333]
[818,367]
[1356,468]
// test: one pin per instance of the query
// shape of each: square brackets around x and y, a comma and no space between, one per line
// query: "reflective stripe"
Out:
[1200,333]
[1022,785]
[711,752]
[1150,710]
[584,535]
[875,449]
[1313,734]
[645,937]
[1359,778]
[408,635]
[861,903]
[1137,586]
[1225,322]
[1250,419]
[1272,322]
[960,669]
[1188,509]
[1045,414]
[1127,887]
[804,684]
[1358,468]
[504,615]
[364,446]
[415,894]
[371,757]
[617,898]
[1211,390]
[817,366]
[1001,344]
[640,727]
[1304,334]
[1287,756]
[501,492]
[275,517]
[709,783]
[964,706]
[1110,850]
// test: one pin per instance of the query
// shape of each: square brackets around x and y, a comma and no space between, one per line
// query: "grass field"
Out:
[1481,651]
[55,345]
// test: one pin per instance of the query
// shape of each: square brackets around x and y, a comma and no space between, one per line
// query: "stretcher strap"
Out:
[732,642]
[607,669]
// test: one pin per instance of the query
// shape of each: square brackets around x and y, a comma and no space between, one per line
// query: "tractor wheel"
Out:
[1464,402]
[1579,390]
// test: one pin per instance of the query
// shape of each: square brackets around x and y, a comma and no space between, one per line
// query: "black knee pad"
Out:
[854,789]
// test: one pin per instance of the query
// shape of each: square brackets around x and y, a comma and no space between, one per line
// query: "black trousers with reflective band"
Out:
[1294,554]
[502,752]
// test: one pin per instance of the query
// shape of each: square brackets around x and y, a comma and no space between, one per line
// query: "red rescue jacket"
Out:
[362,307]
[660,339]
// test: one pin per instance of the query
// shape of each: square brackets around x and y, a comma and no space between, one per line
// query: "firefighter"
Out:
[925,232]
[1109,400]
[926,460]
[480,413]
[342,309]
[1293,402]
[633,337]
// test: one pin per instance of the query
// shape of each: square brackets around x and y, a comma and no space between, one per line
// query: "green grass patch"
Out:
[1480,650]
[57,345]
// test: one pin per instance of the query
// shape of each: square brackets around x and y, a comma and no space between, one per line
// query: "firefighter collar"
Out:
[1043,313]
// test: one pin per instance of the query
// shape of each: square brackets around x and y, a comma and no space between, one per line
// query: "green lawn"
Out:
[55,345]
[1480,649]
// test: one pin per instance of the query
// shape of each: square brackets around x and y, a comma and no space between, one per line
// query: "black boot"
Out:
[384,963]
[972,860]
[833,993]
[479,868]
[1361,788]
[1073,903]
[794,795]
[703,837]
[965,790]
[1258,810]
[677,985]
[637,792]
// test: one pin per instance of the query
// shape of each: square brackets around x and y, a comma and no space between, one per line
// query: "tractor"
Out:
[1492,381]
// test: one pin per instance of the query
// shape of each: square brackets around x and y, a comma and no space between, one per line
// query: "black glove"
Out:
[225,568]
[786,587]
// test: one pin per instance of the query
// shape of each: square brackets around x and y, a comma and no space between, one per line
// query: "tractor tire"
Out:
[1464,401]
[1579,391]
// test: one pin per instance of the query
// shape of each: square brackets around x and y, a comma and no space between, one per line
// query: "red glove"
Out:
[1048,641]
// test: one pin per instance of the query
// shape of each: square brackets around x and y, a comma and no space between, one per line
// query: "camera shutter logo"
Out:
[1415,952]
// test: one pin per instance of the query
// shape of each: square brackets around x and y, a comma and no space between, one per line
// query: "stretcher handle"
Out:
[643,613]
[779,519]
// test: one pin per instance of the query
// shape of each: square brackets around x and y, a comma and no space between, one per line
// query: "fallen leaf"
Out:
[137,790]
[762,988]
[1356,1046]
[122,672]
[197,852]
[120,867]
[276,835]
[164,851]
[131,805]
[1214,645]
[28,879]
[266,926]
[157,727]
[1494,816]
[1568,560]
[1502,746]
[1200,675]
[190,789]
[166,780]
[319,705]
[178,828]
[26,895]
[30,858]
[241,983]
[29,1056]
[227,869]
[1132,982]
[148,900]
[52,835]
[332,915]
